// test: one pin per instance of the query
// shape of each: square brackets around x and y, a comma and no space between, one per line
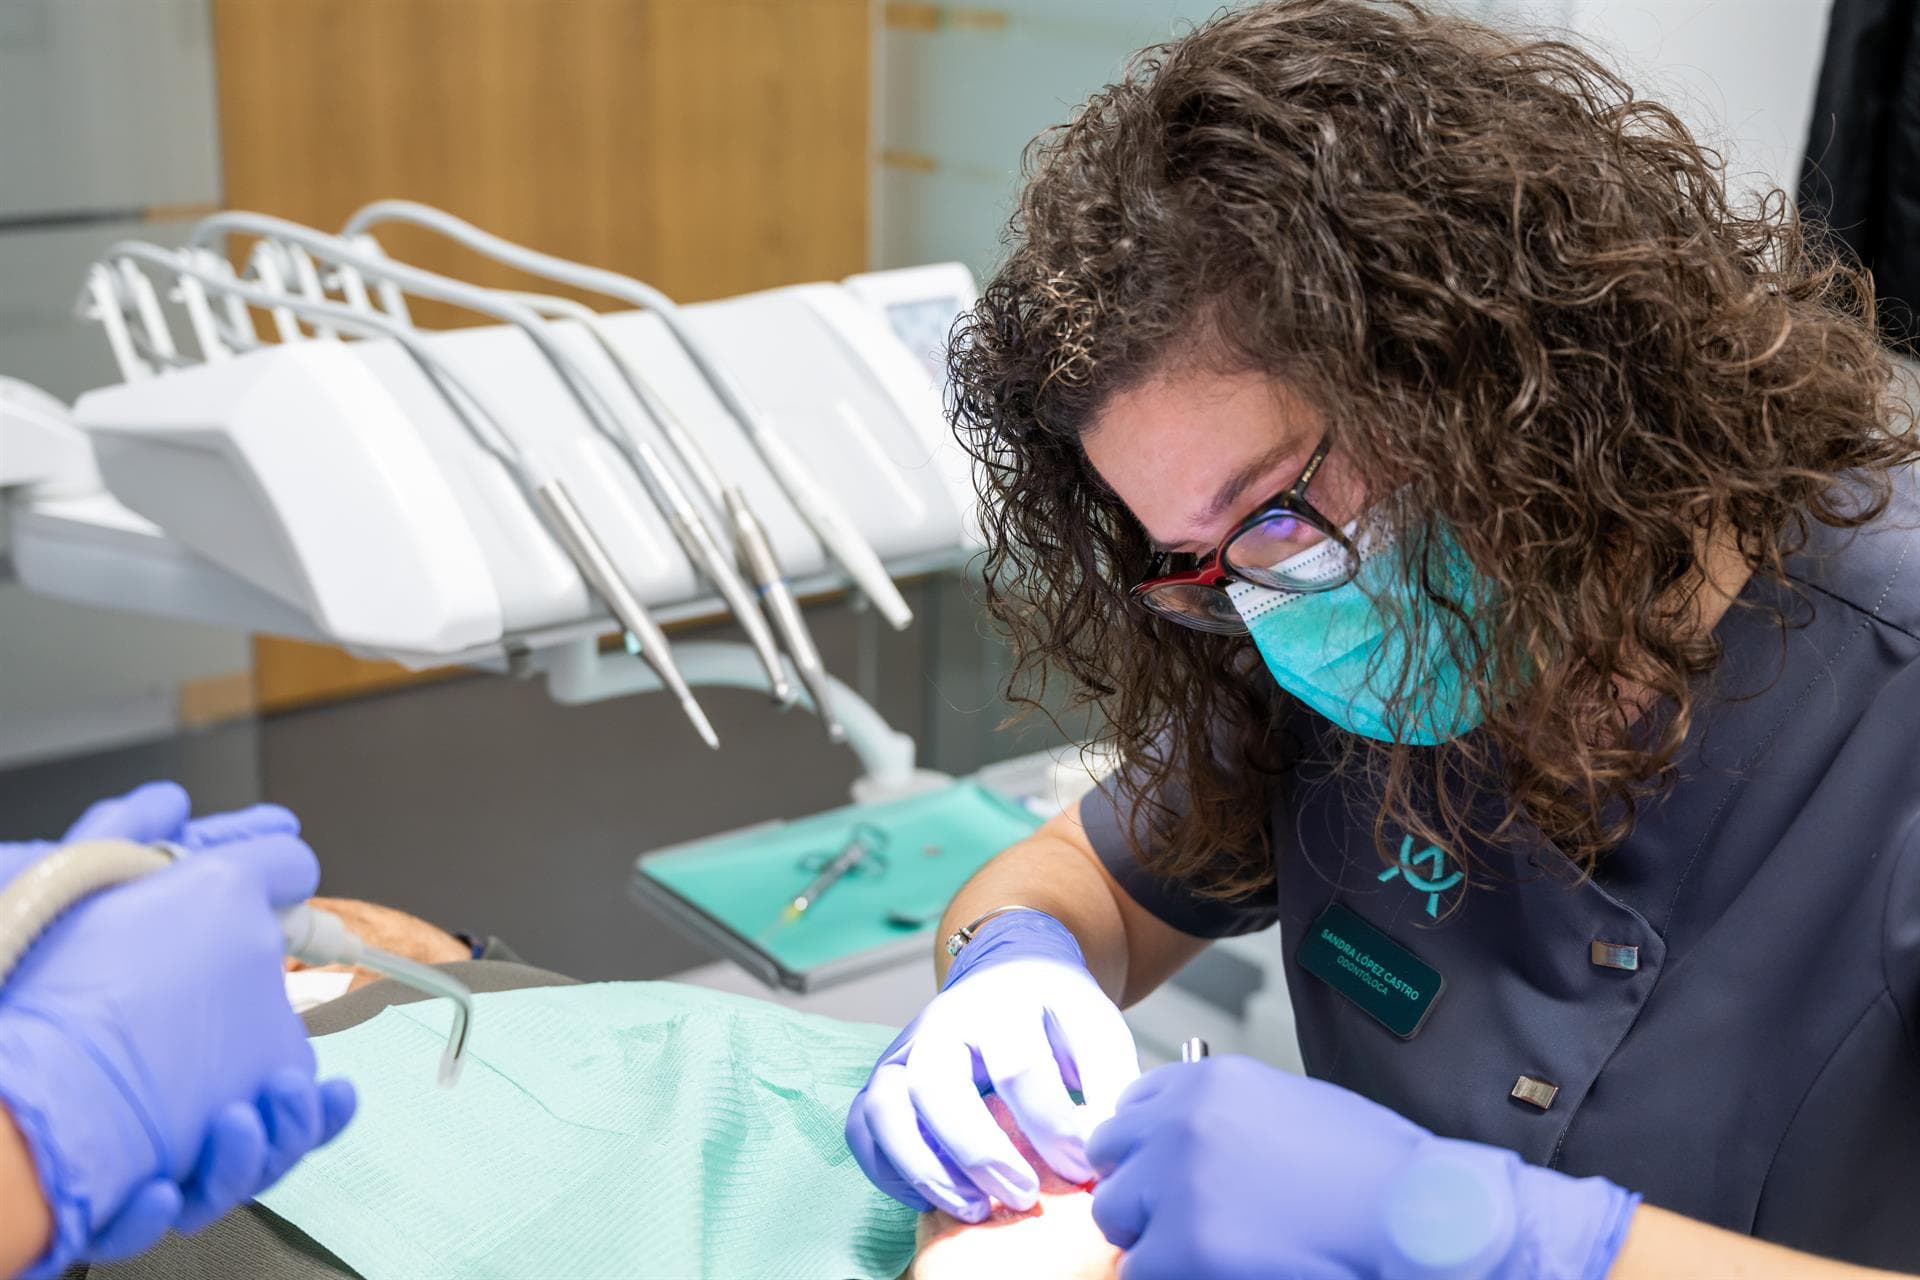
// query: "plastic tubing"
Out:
[55,884]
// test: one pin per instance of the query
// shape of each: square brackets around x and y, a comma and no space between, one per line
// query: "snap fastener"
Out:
[1538,1093]
[1615,955]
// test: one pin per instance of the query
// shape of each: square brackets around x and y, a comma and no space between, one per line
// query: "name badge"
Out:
[1391,985]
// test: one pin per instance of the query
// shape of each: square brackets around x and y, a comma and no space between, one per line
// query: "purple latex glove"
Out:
[1231,1170]
[113,984]
[152,812]
[1019,1013]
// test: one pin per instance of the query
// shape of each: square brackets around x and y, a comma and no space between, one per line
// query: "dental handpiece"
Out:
[1193,1050]
[755,550]
[564,520]
[758,555]
[703,549]
[643,637]
[320,937]
[55,884]
[838,534]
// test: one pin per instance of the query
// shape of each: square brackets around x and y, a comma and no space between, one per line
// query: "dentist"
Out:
[1495,557]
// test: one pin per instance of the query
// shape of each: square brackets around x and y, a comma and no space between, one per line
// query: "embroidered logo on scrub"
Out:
[1434,885]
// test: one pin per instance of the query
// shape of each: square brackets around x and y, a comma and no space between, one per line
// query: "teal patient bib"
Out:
[630,1129]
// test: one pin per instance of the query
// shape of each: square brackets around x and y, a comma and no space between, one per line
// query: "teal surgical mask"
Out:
[1333,651]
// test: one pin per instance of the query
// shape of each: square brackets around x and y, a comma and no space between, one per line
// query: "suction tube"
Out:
[51,887]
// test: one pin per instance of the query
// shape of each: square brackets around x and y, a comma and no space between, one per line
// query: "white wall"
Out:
[1741,73]
[966,99]
[954,107]
[106,111]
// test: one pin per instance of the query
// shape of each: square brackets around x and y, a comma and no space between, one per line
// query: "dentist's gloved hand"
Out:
[1230,1170]
[149,813]
[1020,1002]
[148,1053]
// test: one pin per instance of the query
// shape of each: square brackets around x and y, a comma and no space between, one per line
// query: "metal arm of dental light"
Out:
[546,492]
[754,547]
[644,638]
[578,673]
[831,525]
[55,884]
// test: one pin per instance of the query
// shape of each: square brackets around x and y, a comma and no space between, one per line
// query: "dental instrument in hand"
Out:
[1193,1050]
[644,639]
[319,938]
[545,491]
[754,547]
[45,891]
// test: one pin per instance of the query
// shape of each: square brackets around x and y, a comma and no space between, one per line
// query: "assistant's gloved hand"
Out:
[1230,1170]
[1018,999]
[148,1052]
[149,813]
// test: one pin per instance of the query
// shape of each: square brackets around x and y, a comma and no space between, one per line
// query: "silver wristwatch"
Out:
[964,934]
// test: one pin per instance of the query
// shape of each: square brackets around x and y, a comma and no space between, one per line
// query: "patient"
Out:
[1055,1239]
[389,930]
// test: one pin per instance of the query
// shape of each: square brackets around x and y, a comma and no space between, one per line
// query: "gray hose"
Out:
[52,886]
[42,893]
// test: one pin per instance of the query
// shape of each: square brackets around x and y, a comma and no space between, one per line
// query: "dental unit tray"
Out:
[729,891]
[331,476]
[326,490]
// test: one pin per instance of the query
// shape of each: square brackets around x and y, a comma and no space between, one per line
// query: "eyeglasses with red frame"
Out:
[1287,544]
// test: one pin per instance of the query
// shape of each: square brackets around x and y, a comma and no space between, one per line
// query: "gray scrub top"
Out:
[1759,1068]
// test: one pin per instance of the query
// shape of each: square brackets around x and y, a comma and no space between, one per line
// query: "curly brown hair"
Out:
[1527,308]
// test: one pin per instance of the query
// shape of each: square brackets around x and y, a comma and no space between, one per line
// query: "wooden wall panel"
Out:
[711,147]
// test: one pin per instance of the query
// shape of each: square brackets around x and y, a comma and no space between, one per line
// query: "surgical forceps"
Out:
[862,854]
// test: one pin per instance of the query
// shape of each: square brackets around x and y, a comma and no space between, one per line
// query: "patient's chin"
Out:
[1057,1238]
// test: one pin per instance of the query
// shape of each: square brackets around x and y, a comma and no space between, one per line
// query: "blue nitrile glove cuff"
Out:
[1467,1211]
[70,1151]
[1016,935]
[1449,1213]
[1570,1228]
